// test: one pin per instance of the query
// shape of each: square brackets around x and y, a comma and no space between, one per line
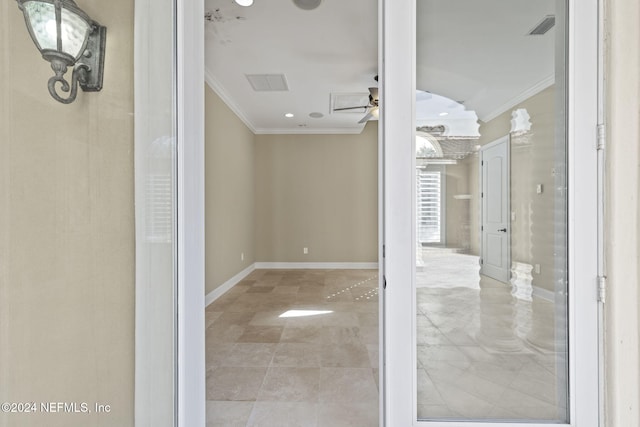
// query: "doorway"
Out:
[433,364]
[291,224]
[495,255]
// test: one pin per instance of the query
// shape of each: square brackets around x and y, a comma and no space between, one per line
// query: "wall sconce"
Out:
[67,37]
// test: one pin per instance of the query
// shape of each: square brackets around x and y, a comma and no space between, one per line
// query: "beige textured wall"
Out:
[319,192]
[532,163]
[622,320]
[229,192]
[67,230]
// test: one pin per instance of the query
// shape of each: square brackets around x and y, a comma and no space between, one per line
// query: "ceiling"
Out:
[474,51]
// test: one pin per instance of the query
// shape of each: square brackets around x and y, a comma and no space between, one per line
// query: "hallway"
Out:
[294,348]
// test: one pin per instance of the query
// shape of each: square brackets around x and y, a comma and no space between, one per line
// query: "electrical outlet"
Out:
[539,188]
[536,269]
[305,251]
[513,215]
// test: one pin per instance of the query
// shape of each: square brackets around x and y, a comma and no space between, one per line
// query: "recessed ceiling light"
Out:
[307,4]
[316,115]
[289,115]
[244,2]
[444,114]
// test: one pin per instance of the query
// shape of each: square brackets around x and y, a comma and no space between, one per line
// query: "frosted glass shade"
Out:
[64,30]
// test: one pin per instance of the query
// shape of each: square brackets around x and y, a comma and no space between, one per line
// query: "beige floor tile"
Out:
[462,402]
[347,385]
[297,355]
[427,392]
[374,355]
[348,414]
[268,318]
[369,334]
[303,334]
[261,334]
[368,319]
[260,289]
[434,412]
[249,355]
[229,333]
[210,317]
[345,355]
[283,414]
[228,413]
[291,289]
[245,335]
[217,352]
[340,319]
[290,385]
[229,317]
[233,383]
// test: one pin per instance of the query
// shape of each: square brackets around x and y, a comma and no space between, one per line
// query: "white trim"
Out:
[398,75]
[398,98]
[217,87]
[582,108]
[220,290]
[191,383]
[317,265]
[226,286]
[533,90]
[311,131]
[543,294]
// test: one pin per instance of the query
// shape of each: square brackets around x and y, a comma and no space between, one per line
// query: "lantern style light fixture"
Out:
[67,37]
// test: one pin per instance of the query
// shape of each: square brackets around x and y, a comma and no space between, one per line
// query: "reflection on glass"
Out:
[156,205]
[491,212]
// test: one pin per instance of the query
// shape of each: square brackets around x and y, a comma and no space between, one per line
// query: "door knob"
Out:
[503,230]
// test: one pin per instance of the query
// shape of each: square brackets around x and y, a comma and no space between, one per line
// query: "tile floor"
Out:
[266,369]
[472,362]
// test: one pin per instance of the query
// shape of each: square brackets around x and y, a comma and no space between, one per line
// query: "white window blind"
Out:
[429,187]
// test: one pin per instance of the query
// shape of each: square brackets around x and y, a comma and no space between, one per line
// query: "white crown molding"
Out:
[220,290]
[217,87]
[222,93]
[317,265]
[310,131]
[534,90]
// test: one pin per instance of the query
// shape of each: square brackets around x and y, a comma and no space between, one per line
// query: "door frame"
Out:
[190,352]
[507,141]
[397,132]
[189,392]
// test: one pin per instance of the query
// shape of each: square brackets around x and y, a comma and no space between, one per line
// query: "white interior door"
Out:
[494,167]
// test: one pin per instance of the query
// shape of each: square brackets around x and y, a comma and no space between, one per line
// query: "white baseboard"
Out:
[220,290]
[317,265]
[217,292]
[543,294]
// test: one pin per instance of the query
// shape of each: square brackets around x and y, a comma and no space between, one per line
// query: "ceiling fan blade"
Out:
[372,114]
[351,108]
[366,118]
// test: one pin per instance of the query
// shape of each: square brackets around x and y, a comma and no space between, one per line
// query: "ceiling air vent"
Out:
[543,26]
[268,82]
[349,103]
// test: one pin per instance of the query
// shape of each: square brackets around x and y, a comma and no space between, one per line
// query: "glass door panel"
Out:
[491,232]
[156,218]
